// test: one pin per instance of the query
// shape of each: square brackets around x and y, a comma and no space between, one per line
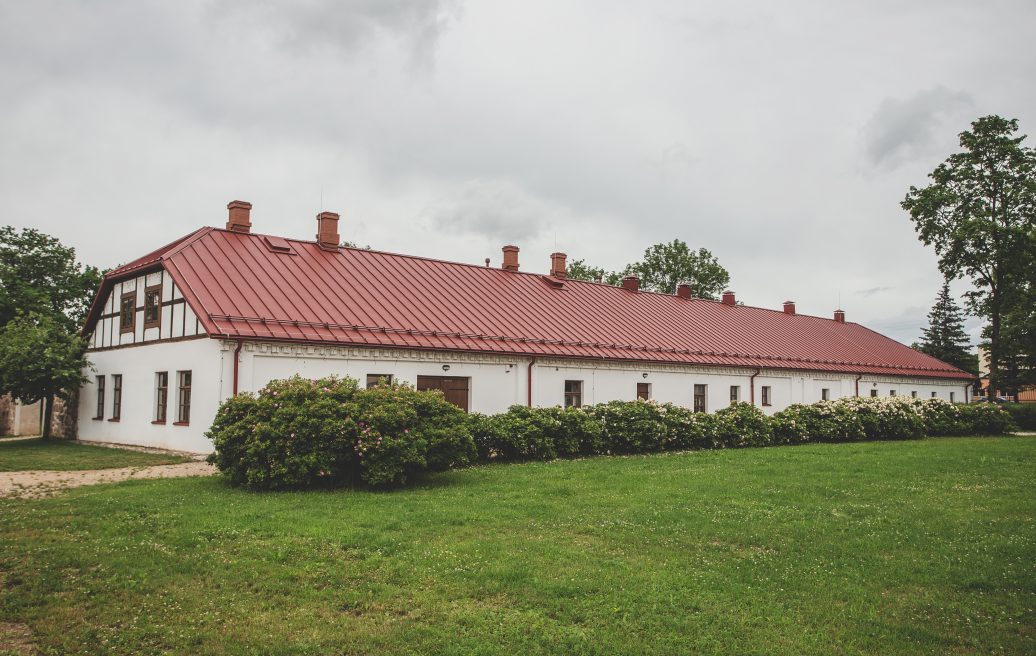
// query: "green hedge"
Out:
[1024,414]
[300,433]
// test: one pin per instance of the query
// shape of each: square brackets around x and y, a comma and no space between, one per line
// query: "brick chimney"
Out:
[510,258]
[789,307]
[327,231]
[631,283]
[728,298]
[840,316]
[557,265]
[683,290]
[238,216]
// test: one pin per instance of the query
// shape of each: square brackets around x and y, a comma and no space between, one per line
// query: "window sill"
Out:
[181,423]
[158,422]
[115,419]
[98,418]
[767,405]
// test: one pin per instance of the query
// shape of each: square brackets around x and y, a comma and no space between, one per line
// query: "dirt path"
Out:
[41,483]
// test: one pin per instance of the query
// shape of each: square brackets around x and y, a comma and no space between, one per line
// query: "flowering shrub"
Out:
[299,433]
[740,425]
[631,426]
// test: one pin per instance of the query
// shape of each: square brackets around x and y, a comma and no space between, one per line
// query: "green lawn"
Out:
[62,455]
[877,548]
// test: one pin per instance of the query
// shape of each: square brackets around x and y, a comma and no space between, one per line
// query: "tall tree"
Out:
[979,212]
[944,338]
[666,265]
[40,359]
[39,274]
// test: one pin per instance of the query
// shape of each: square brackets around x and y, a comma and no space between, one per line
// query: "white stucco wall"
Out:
[497,382]
[138,365]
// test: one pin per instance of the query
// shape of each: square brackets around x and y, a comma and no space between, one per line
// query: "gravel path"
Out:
[41,483]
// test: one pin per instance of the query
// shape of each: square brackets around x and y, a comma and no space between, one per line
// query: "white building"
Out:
[222,311]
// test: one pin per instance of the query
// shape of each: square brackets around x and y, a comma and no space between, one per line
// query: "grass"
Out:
[62,455]
[876,548]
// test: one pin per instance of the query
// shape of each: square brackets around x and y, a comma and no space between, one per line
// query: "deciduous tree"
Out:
[979,213]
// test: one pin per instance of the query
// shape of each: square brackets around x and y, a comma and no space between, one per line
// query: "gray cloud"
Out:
[307,26]
[904,129]
[494,209]
[598,128]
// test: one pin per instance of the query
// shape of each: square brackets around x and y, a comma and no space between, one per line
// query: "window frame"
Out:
[952,397]
[892,392]
[116,397]
[161,397]
[913,394]
[874,393]
[99,381]
[377,378]
[157,307]
[765,395]
[825,393]
[573,398]
[644,391]
[183,397]
[704,396]
[128,326]
[934,395]
[735,394]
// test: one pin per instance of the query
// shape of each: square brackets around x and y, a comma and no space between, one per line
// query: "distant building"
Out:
[1025,395]
[221,311]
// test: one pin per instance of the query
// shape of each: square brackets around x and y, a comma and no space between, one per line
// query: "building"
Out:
[220,311]
[1027,394]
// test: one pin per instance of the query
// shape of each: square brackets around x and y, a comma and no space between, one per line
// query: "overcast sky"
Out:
[781,136]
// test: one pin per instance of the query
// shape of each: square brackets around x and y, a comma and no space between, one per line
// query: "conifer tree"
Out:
[944,338]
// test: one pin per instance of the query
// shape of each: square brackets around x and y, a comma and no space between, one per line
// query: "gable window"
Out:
[127,312]
[100,398]
[373,380]
[766,394]
[573,393]
[153,306]
[735,393]
[116,397]
[644,391]
[161,396]
[183,397]
[874,392]
[699,398]
[825,394]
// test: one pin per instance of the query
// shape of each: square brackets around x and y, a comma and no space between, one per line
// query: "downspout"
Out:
[528,380]
[751,386]
[858,377]
[237,352]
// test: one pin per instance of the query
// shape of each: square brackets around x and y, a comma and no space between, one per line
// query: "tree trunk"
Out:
[48,410]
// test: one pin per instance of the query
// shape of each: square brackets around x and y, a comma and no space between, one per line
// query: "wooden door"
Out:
[454,388]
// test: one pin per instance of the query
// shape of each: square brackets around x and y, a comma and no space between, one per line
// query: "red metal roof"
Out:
[241,288]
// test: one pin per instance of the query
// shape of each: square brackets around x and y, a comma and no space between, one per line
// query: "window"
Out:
[825,394]
[951,397]
[735,393]
[456,390]
[153,306]
[100,398]
[127,312]
[644,391]
[874,392]
[699,398]
[373,380]
[573,393]
[913,394]
[183,397]
[116,397]
[766,394]
[161,395]
[892,392]
[935,394]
